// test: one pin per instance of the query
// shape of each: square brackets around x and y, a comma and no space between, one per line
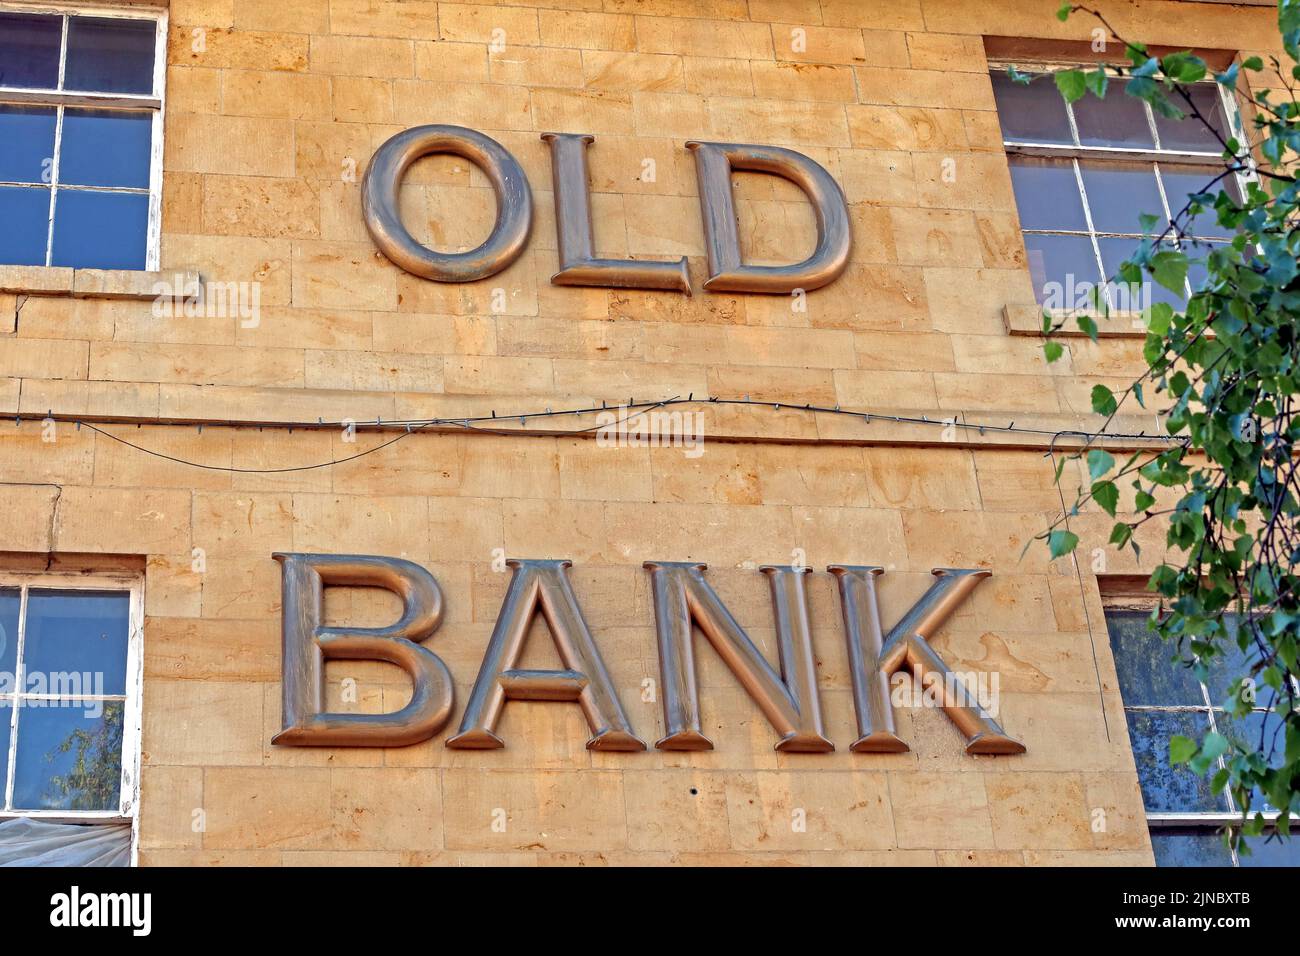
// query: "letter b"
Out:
[308,643]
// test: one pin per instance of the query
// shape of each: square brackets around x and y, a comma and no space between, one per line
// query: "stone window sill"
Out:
[1028,320]
[90,283]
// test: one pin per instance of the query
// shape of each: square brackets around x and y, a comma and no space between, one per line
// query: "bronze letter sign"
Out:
[683,601]
[543,586]
[578,262]
[308,643]
[683,598]
[873,658]
[714,164]
[379,205]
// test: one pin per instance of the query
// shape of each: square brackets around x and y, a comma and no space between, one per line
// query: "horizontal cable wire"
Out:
[492,423]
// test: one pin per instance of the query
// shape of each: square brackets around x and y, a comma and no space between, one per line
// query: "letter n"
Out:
[543,586]
[873,659]
[308,643]
[789,700]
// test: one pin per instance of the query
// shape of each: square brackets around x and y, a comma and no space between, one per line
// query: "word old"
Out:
[714,164]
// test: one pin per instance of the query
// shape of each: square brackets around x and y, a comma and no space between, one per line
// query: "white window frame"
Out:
[1076,151]
[59,99]
[129,795]
[1209,821]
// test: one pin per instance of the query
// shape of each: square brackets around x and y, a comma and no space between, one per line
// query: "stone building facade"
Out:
[269,115]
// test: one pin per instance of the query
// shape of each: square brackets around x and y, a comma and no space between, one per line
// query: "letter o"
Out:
[379,203]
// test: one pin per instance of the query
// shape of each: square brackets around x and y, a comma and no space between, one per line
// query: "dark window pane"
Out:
[100,230]
[1063,270]
[1118,120]
[1144,663]
[105,148]
[1118,195]
[78,632]
[1190,133]
[10,602]
[1167,789]
[1115,251]
[1184,181]
[1271,850]
[1047,194]
[26,143]
[29,50]
[69,755]
[110,55]
[25,212]
[1033,113]
[1199,846]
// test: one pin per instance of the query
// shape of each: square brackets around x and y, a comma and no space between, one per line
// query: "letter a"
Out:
[789,700]
[308,643]
[873,659]
[543,586]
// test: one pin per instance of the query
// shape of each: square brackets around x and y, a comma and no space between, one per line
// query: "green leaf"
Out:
[1062,542]
[1064,12]
[1072,84]
[1162,315]
[1087,326]
[1169,268]
[1184,67]
[1142,501]
[1215,745]
[1181,749]
[1107,495]
[1253,63]
[1099,462]
[1097,82]
[1053,350]
[1103,400]
[1164,106]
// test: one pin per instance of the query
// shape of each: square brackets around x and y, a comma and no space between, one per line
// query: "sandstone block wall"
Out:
[272,111]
